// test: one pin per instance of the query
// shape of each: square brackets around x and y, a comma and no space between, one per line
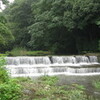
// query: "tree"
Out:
[19,16]
[62,26]
[6,36]
[4,1]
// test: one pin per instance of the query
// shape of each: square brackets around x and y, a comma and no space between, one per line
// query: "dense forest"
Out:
[59,26]
[39,30]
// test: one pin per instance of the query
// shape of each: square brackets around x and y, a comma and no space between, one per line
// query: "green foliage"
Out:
[2,18]
[3,73]
[45,89]
[3,55]
[10,91]
[6,36]
[19,25]
[64,25]
[9,88]
[60,26]
[19,51]
[2,61]
[79,86]
[23,79]
[96,84]
[49,80]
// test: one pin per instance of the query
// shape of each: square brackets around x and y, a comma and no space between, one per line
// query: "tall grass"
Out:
[19,51]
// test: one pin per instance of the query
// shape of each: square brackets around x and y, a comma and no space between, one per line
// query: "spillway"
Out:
[54,65]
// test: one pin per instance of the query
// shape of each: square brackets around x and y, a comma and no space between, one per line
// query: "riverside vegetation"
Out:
[58,26]
[46,27]
[23,52]
[9,90]
[44,88]
[19,51]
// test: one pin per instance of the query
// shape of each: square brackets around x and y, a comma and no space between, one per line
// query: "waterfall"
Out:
[27,60]
[64,59]
[55,65]
[93,59]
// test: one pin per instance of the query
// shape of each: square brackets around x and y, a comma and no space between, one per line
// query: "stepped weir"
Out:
[53,65]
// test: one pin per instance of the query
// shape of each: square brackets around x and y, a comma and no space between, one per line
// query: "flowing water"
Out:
[70,69]
[54,65]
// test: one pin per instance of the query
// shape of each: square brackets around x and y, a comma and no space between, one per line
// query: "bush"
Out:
[23,79]
[19,51]
[96,84]
[10,91]
[49,80]
[3,73]
[3,55]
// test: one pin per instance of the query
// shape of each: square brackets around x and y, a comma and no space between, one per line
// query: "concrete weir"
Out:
[26,66]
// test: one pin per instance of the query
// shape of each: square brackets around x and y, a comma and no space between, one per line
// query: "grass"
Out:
[96,84]
[3,55]
[23,52]
[17,52]
[20,51]
[45,88]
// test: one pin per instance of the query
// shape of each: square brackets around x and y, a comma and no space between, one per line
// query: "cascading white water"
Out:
[82,59]
[93,59]
[64,60]
[37,66]
[27,60]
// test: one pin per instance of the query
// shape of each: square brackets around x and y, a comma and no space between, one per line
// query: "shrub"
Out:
[23,79]
[96,84]
[3,73]
[49,80]
[18,51]
[10,91]
[81,87]
[3,55]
